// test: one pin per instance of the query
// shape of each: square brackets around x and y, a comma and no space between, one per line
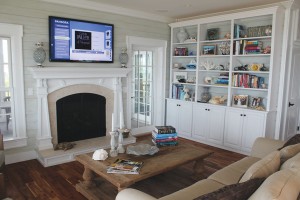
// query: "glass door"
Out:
[6,116]
[142,89]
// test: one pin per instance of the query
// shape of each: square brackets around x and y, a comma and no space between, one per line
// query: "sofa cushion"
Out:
[197,189]
[264,146]
[234,191]
[293,140]
[263,168]
[289,151]
[231,174]
[293,162]
[282,185]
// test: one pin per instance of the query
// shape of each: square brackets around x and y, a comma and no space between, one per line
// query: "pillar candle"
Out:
[121,120]
[112,122]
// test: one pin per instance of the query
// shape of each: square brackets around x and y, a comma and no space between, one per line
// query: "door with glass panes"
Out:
[6,114]
[142,89]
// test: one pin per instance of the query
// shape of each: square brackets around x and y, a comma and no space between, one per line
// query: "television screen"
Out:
[72,40]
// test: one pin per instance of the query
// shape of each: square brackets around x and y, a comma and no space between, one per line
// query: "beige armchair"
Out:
[2,168]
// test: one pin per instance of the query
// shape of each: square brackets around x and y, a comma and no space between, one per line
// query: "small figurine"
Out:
[267,50]
[227,36]
[64,146]
[186,95]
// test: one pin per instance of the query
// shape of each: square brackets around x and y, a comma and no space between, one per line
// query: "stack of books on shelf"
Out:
[178,92]
[164,136]
[247,80]
[254,47]
[122,166]
[223,79]
[248,47]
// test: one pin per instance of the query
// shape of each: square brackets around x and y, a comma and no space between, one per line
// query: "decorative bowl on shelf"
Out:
[191,66]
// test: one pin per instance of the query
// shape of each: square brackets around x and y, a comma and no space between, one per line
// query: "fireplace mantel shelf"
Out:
[77,72]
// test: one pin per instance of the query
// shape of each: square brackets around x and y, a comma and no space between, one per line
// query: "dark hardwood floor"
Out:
[30,180]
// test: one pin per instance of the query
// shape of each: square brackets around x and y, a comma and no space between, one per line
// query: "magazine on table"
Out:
[122,166]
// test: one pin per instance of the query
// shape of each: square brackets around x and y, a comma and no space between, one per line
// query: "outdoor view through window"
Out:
[6,125]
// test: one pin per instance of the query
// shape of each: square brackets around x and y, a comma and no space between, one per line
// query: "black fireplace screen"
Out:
[80,116]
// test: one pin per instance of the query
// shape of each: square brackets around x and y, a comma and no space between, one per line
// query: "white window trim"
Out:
[15,33]
[160,82]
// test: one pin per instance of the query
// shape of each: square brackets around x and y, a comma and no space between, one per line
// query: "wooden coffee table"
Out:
[165,160]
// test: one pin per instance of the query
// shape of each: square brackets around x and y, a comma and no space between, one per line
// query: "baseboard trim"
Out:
[20,157]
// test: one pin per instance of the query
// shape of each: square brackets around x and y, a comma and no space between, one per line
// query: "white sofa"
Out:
[265,160]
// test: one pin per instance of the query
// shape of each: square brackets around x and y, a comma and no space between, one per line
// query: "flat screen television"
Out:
[72,40]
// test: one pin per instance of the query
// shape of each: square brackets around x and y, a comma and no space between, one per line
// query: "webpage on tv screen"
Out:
[89,45]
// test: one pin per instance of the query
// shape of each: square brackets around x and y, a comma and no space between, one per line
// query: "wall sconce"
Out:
[39,54]
[123,58]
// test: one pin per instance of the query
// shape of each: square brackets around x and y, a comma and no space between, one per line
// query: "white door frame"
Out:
[159,80]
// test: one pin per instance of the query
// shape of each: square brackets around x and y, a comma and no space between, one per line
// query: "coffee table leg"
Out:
[88,177]
[199,168]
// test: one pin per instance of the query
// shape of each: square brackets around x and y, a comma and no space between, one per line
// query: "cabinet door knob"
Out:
[205,108]
[241,115]
[244,115]
[208,109]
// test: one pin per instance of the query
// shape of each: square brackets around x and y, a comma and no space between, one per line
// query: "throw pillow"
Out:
[238,191]
[289,151]
[293,162]
[282,185]
[293,140]
[263,168]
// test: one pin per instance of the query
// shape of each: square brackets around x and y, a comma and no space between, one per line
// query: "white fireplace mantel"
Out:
[76,72]
[50,79]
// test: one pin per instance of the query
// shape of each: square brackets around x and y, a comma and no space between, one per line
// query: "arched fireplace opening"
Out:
[80,116]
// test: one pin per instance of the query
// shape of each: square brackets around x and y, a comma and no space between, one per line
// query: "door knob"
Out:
[291,104]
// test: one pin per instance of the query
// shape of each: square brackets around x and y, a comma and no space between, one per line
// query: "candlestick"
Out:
[112,122]
[121,120]
[120,148]
[113,152]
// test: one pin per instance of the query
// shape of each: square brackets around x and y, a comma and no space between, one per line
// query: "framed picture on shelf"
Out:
[180,77]
[209,49]
[240,101]
[212,34]
[255,102]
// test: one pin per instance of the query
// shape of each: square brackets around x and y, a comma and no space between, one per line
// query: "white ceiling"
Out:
[164,10]
[177,9]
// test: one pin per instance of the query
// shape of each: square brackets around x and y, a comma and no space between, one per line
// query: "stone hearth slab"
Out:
[49,157]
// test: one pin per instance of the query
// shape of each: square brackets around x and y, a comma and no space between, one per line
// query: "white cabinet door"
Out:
[179,115]
[253,127]
[208,123]
[200,119]
[242,127]
[172,114]
[233,128]
[185,112]
[215,122]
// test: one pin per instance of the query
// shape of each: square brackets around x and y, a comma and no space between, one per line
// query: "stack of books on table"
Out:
[122,166]
[164,136]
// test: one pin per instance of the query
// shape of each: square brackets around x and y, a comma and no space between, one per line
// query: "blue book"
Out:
[163,136]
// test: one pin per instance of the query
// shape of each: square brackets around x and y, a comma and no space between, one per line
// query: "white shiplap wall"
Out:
[33,15]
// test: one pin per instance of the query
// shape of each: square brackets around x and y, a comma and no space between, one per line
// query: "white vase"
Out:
[182,35]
